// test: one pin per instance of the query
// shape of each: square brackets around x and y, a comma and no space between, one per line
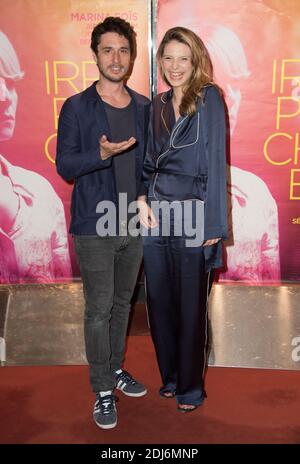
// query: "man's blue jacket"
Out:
[82,122]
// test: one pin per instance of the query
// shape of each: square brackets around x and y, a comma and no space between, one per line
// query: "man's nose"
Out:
[116,57]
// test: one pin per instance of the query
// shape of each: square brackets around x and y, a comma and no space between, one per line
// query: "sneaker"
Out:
[130,387]
[105,412]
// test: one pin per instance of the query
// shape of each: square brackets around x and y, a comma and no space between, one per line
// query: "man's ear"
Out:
[95,57]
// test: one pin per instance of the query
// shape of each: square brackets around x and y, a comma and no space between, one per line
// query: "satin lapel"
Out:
[168,127]
[166,121]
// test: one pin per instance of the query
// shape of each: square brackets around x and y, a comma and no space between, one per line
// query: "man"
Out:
[101,137]
[33,233]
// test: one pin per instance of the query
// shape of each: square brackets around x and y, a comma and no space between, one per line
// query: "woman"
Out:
[185,165]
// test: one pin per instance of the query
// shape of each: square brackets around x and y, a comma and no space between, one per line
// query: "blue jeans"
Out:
[109,267]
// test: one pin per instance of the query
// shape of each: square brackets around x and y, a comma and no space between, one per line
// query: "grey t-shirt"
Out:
[122,126]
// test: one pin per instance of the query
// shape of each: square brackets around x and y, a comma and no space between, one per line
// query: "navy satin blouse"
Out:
[186,159]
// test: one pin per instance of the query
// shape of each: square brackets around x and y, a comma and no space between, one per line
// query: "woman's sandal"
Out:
[191,407]
[166,392]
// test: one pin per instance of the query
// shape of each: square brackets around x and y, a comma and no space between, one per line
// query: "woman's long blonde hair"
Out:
[203,70]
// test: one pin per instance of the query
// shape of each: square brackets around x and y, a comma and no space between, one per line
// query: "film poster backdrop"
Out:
[45,57]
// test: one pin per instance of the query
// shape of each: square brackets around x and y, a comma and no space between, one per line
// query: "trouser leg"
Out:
[192,284]
[209,344]
[161,305]
[127,264]
[96,260]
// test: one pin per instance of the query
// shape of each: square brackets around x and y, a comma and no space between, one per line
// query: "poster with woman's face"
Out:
[45,57]
[254,49]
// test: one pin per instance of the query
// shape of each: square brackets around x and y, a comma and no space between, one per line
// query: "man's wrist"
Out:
[104,155]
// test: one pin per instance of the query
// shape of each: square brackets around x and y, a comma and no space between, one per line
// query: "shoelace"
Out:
[105,405]
[126,377]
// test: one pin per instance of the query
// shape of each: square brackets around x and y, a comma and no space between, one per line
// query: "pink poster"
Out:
[45,57]
[254,47]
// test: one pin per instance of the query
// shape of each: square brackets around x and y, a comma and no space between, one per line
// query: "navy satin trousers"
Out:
[177,288]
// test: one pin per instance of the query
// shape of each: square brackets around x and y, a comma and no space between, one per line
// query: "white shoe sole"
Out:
[136,395]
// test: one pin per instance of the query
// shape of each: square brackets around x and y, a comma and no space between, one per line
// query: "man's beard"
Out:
[112,78]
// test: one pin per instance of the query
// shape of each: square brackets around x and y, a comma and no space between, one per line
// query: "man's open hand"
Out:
[108,149]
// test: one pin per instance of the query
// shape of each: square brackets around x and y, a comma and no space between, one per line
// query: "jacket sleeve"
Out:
[143,190]
[215,223]
[149,162]
[71,160]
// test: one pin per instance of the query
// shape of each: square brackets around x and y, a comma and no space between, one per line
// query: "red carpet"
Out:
[53,404]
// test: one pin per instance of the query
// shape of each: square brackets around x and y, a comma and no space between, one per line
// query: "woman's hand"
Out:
[146,216]
[212,241]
